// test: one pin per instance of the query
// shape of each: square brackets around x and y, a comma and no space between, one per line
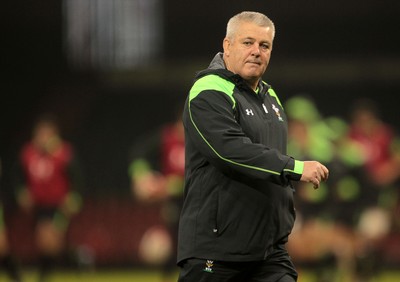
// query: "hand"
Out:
[149,186]
[314,172]
[72,204]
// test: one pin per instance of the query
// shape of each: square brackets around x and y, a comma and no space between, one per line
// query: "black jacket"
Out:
[238,195]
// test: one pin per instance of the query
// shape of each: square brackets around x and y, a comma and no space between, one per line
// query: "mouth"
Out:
[254,63]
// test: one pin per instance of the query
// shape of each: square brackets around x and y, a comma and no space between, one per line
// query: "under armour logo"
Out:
[249,112]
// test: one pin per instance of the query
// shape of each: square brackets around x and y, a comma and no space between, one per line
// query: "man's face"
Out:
[249,52]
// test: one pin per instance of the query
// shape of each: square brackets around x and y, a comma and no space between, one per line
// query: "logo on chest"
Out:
[249,112]
[277,112]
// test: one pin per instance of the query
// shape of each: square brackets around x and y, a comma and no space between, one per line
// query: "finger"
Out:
[326,171]
[316,183]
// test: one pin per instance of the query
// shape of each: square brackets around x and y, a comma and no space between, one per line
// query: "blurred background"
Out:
[114,71]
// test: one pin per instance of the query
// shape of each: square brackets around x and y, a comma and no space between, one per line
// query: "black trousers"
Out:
[276,268]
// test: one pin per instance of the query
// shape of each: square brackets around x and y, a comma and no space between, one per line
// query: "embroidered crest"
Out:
[276,109]
[209,265]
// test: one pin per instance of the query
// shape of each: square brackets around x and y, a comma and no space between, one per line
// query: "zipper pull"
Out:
[265,108]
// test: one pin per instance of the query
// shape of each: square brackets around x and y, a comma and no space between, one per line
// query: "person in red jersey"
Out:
[156,170]
[379,145]
[48,179]
[378,142]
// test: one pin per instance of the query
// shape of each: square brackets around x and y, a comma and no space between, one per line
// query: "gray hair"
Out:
[246,16]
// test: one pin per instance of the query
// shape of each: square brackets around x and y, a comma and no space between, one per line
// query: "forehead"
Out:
[251,30]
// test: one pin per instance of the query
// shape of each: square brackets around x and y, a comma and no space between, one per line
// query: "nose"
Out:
[255,50]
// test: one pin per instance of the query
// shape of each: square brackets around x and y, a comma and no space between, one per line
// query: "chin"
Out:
[253,73]
[252,77]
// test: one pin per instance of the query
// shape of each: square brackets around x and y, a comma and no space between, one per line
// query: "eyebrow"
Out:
[248,37]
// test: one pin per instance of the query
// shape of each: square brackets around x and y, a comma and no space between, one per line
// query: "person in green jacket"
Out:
[238,206]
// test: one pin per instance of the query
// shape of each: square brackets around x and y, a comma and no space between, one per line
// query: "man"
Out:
[157,172]
[48,177]
[238,208]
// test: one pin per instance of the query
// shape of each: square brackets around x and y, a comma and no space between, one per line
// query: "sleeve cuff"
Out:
[298,167]
[294,169]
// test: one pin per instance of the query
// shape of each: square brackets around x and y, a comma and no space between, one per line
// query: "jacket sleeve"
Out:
[212,128]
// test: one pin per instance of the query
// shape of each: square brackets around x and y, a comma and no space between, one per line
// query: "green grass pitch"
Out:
[148,276]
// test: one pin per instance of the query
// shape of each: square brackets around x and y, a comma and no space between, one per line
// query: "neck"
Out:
[252,84]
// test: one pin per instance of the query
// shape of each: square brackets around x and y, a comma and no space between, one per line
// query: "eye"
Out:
[264,46]
[247,43]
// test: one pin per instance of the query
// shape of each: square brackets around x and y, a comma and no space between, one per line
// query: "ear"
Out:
[226,44]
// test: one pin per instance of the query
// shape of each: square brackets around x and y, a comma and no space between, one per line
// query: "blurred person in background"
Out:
[7,261]
[48,179]
[156,171]
[379,146]
[238,206]
[338,228]
[323,237]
